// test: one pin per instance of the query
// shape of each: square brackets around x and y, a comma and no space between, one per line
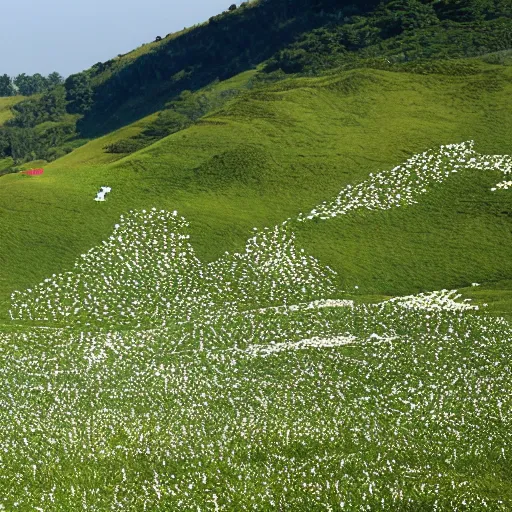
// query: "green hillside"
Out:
[276,37]
[278,150]
[267,267]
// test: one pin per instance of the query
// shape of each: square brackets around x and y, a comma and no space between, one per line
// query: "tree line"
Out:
[44,126]
[28,85]
[401,29]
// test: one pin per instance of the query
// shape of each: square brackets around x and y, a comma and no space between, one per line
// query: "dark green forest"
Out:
[287,36]
[28,85]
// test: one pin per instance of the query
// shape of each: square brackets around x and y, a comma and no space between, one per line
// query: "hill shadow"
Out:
[227,45]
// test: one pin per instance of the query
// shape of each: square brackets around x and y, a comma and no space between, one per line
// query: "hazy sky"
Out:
[41,36]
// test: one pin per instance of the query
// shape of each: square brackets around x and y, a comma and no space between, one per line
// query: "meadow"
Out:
[301,301]
[277,150]
[392,406]
[148,379]
[147,271]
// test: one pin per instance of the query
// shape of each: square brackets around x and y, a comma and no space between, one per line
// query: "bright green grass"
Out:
[458,234]
[497,295]
[93,153]
[411,413]
[5,107]
[279,150]
[34,164]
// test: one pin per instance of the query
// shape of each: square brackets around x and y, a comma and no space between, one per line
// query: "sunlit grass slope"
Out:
[281,149]
[5,107]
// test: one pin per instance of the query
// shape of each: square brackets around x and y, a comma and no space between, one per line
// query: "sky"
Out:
[69,36]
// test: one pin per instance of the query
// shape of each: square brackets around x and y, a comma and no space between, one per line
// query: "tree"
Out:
[23,144]
[22,82]
[6,86]
[466,10]
[5,144]
[31,112]
[39,83]
[396,16]
[53,103]
[54,79]
[29,85]
[27,114]
[79,93]
[290,60]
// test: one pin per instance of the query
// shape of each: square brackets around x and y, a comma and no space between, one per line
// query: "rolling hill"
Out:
[279,149]
[297,292]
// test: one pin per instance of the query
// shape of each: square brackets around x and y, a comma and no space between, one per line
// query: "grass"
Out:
[455,236]
[378,406]
[5,107]
[228,382]
[271,153]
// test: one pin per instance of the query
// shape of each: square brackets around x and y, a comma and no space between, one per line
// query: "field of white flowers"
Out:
[147,380]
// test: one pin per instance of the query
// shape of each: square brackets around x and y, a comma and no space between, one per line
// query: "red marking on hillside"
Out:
[33,172]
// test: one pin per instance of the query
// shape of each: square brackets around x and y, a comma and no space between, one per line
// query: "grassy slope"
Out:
[5,107]
[93,153]
[275,152]
[458,234]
